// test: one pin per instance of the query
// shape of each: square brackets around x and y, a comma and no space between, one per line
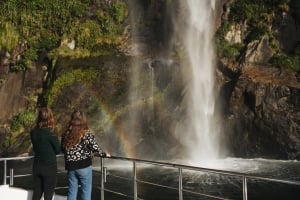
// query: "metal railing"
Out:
[244,177]
[11,175]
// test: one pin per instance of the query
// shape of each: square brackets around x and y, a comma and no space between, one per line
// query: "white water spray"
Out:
[201,138]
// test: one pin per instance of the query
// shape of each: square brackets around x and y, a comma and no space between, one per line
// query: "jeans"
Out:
[82,177]
[44,180]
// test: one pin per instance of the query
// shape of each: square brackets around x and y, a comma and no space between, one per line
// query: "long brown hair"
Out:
[45,118]
[76,129]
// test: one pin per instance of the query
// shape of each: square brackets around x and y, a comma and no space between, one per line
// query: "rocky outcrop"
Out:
[263,115]
[288,27]
[17,89]
[261,104]
[259,51]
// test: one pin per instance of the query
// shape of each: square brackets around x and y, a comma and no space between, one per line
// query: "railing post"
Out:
[180,184]
[134,181]
[4,172]
[102,177]
[11,177]
[245,195]
[105,173]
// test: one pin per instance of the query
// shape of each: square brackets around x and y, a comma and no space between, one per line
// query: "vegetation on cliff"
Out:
[68,44]
[46,26]
[260,18]
[38,33]
[258,48]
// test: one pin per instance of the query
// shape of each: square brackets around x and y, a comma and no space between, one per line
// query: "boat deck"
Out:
[21,194]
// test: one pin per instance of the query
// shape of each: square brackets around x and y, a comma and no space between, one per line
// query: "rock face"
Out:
[263,115]
[260,104]
[259,52]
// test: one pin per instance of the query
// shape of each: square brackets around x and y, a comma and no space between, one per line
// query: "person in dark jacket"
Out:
[45,146]
[79,146]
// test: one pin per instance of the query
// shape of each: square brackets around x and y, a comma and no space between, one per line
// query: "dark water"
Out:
[119,179]
[225,186]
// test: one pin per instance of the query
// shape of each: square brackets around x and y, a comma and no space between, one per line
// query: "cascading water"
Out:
[199,134]
[201,139]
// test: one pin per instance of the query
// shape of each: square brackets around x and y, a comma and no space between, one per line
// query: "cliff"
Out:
[261,97]
[258,81]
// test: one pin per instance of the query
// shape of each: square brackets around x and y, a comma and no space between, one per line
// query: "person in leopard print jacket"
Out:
[79,147]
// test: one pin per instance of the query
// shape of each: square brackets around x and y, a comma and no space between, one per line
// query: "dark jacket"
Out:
[80,155]
[45,145]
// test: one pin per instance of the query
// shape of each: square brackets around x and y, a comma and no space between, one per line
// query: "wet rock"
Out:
[266,116]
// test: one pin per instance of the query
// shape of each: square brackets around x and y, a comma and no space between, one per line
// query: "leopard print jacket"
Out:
[81,154]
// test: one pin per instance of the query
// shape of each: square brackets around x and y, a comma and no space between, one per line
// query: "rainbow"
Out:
[109,120]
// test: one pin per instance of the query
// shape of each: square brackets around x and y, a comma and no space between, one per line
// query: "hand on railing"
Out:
[103,154]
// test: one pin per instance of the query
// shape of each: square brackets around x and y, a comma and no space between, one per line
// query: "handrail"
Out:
[22,158]
[15,158]
[203,169]
[180,167]
[245,177]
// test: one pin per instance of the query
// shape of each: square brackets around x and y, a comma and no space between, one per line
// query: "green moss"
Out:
[27,118]
[291,61]
[42,25]
[110,17]
[119,11]
[224,28]
[23,120]
[6,142]
[67,79]
[228,50]
[258,15]
[256,11]
[67,52]
[9,36]
[225,48]
[15,125]
[257,32]
[88,34]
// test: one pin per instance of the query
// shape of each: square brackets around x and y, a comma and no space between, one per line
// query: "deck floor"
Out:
[21,194]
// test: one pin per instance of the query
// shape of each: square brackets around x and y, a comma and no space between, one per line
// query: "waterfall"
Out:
[189,26]
[201,137]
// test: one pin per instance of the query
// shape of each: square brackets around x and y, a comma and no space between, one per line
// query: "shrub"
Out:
[231,51]
[291,61]
[9,37]
[42,24]
[23,120]
[67,79]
